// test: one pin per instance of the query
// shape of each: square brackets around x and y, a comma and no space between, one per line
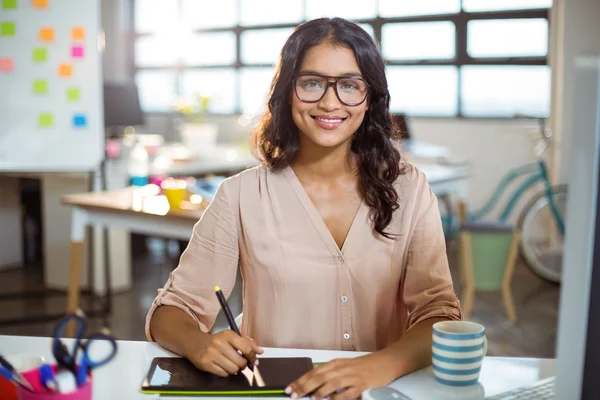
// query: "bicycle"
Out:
[541,222]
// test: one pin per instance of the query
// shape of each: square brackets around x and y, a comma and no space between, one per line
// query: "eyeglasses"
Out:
[350,91]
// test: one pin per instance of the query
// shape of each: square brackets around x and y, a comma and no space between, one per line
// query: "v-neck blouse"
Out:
[300,290]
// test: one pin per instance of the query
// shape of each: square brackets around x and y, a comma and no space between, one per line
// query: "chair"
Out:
[488,254]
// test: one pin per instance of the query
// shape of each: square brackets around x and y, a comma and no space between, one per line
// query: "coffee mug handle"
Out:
[485,345]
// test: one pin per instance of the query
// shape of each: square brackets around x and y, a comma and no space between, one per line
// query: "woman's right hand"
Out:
[218,353]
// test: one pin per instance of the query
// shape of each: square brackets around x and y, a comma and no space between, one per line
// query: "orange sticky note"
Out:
[78,33]
[65,70]
[40,3]
[46,34]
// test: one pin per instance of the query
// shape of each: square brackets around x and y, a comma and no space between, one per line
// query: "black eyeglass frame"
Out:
[331,81]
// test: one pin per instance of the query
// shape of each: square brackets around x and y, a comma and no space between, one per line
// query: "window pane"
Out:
[216,83]
[435,40]
[404,8]
[210,49]
[349,9]
[262,46]
[496,5]
[198,14]
[262,12]
[155,51]
[254,88]
[430,90]
[155,15]
[368,28]
[502,91]
[507,37]
[156,90]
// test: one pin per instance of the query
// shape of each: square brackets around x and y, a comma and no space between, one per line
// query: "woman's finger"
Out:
[348,394]
[333,386]
[216,370]
[314,379]
[225,363]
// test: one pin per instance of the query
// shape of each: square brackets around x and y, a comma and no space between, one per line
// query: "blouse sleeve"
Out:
[210,259]
[427,285]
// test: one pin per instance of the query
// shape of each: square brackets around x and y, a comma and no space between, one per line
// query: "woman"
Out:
[339,241]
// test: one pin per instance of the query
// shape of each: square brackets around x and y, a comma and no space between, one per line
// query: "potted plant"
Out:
[198,135]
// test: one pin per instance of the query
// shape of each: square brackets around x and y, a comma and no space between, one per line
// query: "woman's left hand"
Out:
[342,379]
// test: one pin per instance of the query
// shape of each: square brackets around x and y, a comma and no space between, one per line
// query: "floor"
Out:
[534,335]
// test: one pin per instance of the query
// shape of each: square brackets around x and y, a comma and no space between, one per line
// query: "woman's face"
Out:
[328,122]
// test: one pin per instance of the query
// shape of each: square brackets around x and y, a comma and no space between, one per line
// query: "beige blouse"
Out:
[300,290]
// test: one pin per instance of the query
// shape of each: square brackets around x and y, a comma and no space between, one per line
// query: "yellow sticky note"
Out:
[46,34]
[40,3]
[40,86]
[78,33]
[9,4]
[65,70]
[7,28]
[46,120]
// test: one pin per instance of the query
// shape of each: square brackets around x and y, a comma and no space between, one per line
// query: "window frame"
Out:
[462,58]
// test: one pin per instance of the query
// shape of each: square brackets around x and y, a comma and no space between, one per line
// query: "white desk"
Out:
[122,378]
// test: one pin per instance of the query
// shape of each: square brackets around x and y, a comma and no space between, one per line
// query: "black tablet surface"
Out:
[178,376]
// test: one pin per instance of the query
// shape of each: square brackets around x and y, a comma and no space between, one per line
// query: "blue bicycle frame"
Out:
[540,173]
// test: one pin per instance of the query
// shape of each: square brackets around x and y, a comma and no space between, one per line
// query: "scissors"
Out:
[68,359]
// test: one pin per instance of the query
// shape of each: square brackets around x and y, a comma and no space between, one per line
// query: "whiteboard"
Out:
[50,122]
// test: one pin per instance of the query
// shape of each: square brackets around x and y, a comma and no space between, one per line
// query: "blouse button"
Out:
[346,336]
[340,260]
[344,299]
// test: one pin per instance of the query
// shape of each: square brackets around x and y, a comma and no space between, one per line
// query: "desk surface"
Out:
[129,201]
[123,377]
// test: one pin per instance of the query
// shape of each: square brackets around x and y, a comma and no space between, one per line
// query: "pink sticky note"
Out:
[7,64]
[77,51]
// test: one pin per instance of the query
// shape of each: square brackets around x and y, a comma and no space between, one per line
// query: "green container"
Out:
[490,254]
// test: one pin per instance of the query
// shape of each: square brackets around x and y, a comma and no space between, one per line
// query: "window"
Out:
[445,58]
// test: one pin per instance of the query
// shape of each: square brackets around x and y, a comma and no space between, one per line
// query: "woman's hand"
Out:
[218,353]
[343,379]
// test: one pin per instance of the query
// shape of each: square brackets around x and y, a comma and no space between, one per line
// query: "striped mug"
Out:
[458,349]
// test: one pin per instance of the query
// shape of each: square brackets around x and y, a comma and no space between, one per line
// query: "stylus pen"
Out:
[230,319]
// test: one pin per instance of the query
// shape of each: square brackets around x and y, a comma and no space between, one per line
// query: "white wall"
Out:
[576,32]
[492,147]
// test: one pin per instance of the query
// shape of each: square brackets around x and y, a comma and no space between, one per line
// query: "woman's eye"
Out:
[312,85]
[348,86]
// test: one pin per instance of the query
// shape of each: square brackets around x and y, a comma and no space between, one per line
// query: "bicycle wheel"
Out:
[542,242]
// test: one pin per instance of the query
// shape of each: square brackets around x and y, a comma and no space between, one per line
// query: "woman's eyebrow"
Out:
[345,74]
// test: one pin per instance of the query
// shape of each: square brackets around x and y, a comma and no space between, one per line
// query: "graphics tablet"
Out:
[178,376]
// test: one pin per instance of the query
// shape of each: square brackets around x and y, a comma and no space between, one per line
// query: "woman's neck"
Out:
[324,164]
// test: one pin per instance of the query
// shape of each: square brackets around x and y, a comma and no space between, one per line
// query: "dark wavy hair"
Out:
[276,139]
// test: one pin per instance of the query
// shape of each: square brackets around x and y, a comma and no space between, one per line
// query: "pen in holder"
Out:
[33,376]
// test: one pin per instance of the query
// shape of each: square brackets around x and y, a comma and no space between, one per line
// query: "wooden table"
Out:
[135,209]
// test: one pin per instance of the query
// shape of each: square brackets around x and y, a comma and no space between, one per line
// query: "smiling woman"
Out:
[339,241]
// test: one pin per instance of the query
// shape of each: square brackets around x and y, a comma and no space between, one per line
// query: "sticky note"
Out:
[40,86]
[39,54]
[73,94]
[65,70]
[78,33]
[40,3]
[46,34]
[79,120]
[7,64]
[46,120]
[77,51]
[9,4]
[7,28]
